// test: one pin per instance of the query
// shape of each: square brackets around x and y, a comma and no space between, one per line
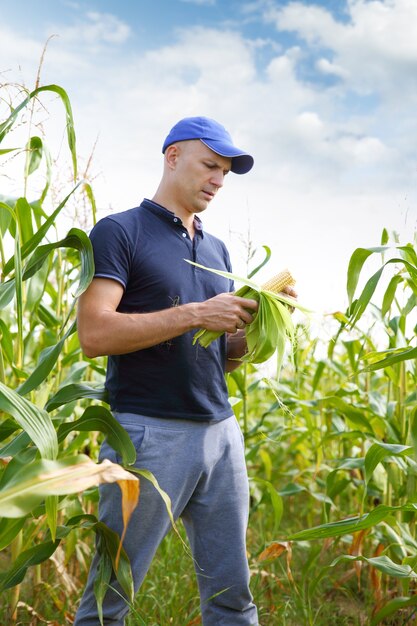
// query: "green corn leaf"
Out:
[19,299]
[7,214]
[76,391]
[18,443]
[359,306]
[165,497]
[234,277]
[51,510]
[6,341]
[34,151]
[97,418]
[387,358]
[6,126]
[80,241]
[390,293]
[7,150]
[111,543]
[47,359]
[32,244]
[410,305]
[362,302]
[276,499]
[353,414]
[102,578]
[350,525]
[291,490]
[75,238]
[90,195]
[335,485]
[17,464]
[382,563]
[45,314]
[7,428]
[264,262]
[409,254]
[384,237]
[24,219]
[9,529]
[108,547]
[356,263]
[35,293]
[7,291]
[48,179]
[318,374]
[108,541]
[379,451]
[27,558]
[35,421]
[268,332]
[413,431]
[392,607]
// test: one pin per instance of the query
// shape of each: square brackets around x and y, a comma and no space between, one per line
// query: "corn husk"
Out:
[272,325]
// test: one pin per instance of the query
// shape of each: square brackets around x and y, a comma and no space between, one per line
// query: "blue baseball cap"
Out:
[214,136]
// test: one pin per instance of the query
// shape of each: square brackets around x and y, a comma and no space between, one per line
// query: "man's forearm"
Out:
[103,330]
[112,332]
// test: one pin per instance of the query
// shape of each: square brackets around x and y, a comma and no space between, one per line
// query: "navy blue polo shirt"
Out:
[144,250]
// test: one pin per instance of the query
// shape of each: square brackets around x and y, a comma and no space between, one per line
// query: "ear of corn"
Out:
[272,325]
[278,282]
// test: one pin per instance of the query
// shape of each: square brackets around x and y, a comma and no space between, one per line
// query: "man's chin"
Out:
[200,207]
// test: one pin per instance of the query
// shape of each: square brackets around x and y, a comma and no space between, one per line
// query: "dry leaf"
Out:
[273,551]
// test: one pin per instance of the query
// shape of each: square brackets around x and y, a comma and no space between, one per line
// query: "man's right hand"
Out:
[226,312]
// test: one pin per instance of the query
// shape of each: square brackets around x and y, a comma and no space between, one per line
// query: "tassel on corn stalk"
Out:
[272,324]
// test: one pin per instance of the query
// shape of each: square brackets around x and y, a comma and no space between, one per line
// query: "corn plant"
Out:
[45,429]
[340,440]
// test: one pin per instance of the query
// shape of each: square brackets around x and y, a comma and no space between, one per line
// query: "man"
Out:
[142,309]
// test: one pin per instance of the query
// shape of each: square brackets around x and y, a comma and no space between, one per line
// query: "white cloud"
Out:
[327,67]
[20,57]
[218,56]
[95,28]
[375,49]
[326,178]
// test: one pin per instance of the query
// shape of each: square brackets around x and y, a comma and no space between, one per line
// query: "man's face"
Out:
[199,174]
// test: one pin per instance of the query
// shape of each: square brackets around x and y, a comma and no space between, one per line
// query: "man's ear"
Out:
[171,155]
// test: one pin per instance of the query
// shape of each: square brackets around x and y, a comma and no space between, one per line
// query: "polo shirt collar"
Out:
[169,216]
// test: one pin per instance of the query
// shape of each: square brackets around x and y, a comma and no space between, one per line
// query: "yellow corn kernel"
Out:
[278,282]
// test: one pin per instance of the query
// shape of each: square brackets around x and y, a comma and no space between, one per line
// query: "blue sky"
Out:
[323,94]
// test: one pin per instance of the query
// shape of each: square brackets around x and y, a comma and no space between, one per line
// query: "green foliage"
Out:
[336,437]
[42,394]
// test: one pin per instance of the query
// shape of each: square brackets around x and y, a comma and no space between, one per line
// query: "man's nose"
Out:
[218,179]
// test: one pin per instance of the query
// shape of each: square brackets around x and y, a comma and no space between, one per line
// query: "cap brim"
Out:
[242,162]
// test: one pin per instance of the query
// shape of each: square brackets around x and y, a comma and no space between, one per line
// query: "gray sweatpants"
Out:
[201,465]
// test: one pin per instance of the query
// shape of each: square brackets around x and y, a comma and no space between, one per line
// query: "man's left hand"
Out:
[290,291]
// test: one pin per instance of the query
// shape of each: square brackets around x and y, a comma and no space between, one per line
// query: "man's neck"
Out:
[186,217]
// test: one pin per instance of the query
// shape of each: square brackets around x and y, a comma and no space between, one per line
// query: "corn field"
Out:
[331,443]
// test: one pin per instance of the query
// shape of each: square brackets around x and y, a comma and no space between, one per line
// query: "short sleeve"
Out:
[112,251]
[228,265]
